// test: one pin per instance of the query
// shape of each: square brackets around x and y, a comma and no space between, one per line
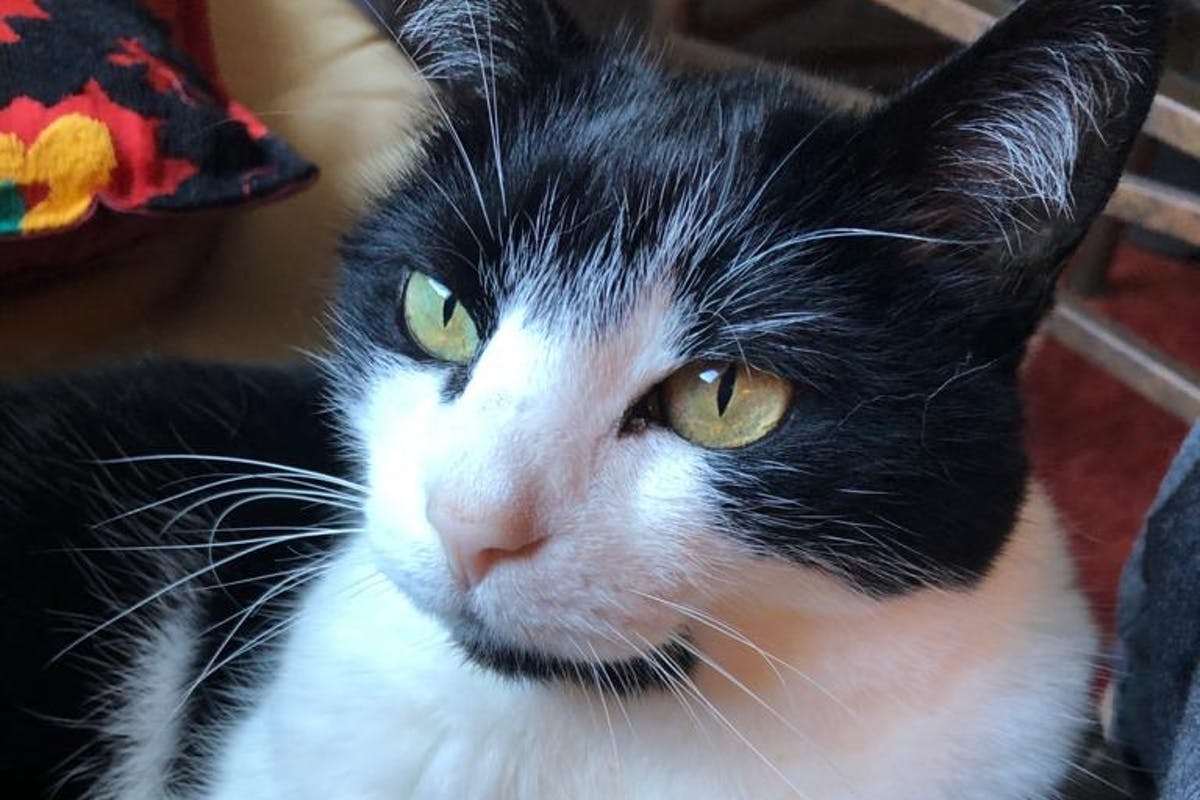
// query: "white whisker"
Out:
[216,662]
[773,661]
[164,591]
[245,462]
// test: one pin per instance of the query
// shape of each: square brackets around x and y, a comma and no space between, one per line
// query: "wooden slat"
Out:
[1158,207]
[1148,371]
[672,15]
[1174,116]
[960,20]
[727,22]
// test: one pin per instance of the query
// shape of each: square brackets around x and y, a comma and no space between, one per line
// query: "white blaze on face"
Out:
[529,462]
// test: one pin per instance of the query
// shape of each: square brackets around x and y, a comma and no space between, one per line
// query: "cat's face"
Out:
[631,343]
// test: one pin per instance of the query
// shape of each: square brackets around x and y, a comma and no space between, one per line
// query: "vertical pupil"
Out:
[448,307]
[725,389]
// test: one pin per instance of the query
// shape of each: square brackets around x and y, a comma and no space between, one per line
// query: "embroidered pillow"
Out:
[117,105]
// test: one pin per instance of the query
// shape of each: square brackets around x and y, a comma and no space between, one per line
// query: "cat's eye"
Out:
[722,405]
[437,321]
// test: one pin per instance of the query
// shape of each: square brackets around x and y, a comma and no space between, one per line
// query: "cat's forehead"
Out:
[649,192]
[581,204]
[693,265]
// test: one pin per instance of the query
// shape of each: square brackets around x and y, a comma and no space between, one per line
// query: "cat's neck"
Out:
[852,650]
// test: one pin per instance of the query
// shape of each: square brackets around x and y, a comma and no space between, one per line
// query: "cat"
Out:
[670,447]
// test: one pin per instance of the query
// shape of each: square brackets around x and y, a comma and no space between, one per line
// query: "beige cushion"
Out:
[254,285]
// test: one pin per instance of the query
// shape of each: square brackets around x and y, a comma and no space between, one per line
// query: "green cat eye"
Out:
[437,321]
[722,405]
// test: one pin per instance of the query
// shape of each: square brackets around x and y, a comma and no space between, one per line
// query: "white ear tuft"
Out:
[479,44]
[1025,146]
[1022,137]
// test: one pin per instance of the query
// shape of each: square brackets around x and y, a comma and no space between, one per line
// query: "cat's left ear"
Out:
[1021,138]
[474,46]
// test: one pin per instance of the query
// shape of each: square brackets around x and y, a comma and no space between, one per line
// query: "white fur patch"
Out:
[143,722]
[1024,145]
[540,418]
[457,39]
[937,696]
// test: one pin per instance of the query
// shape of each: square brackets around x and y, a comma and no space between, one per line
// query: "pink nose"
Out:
[477,540]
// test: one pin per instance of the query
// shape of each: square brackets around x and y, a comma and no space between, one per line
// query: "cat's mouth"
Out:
[659,668]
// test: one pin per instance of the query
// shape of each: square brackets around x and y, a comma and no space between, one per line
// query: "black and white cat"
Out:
[671,448]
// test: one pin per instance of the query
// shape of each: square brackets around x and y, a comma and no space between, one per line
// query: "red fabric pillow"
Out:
[116,105]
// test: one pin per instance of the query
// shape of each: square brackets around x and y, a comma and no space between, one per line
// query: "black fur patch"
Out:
[664,667]
[69,565]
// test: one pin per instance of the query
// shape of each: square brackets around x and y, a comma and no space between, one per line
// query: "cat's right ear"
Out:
[475,47]
[1015,145]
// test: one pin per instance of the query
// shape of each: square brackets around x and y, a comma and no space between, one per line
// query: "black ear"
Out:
[1020,139]
[474,46]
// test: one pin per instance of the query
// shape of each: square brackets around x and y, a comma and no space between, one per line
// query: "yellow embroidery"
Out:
[12,157]
[74,157]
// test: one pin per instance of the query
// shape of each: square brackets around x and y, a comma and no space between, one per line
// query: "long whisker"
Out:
[267,495]
[216,662]
[285,478]
[245,462]
[771,659]
[491,102]
[173,585]
[270,633]
[466,160]
[309,573]
[690,686]
[258,494]
[611,685]
[299,533]
[446,119]
[846,233]
[669,680]
[225,586]
[428,178]
[727,675]
[612,734]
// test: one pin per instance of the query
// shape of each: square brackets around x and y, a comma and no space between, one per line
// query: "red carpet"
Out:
[1099,447]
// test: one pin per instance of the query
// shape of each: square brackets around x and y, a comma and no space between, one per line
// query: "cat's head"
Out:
[629,340]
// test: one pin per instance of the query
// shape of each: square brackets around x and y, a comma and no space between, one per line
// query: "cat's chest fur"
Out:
[943,695]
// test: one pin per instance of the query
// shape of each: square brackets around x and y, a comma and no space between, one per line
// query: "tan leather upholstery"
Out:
[251,285]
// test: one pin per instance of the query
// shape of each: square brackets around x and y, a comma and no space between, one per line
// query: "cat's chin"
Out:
[653,670]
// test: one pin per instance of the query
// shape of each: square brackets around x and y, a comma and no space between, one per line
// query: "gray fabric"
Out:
[1158,622]
[1183,779]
